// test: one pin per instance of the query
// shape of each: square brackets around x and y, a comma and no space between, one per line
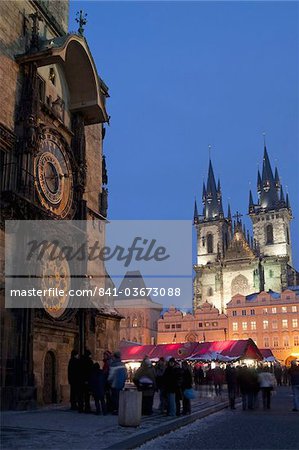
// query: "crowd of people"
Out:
[87,378]
[173,381]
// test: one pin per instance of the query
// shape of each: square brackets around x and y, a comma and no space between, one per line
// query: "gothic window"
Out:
[271,273]
[210,292]
[210,243]
[239,285]
[269,234]
[134,322]
[128,322]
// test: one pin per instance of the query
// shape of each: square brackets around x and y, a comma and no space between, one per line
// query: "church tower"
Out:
[271,217]
[213,236]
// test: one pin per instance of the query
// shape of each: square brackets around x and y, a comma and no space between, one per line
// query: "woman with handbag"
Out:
[145,380]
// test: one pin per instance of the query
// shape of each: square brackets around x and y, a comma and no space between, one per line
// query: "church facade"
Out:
[52,119]
[229,260]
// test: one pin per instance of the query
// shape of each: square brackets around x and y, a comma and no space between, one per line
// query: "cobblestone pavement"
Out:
[58,427]
[242,430]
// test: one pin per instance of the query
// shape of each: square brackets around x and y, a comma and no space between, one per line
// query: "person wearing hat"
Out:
[116,378]
[145,380]
[294,378]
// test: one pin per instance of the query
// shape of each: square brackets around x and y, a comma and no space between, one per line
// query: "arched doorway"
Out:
[49,385]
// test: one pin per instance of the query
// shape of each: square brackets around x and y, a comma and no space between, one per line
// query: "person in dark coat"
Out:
[178,391]
[278,374]
[294,379]
[186,384]
[171,386]
[249,386]
[159,370]
[107,360]
[231,380]
[218,380]
[97,388]
[73,378]
[145,380]
[86,366]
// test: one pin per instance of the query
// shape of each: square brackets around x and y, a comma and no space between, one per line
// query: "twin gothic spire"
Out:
[269,188]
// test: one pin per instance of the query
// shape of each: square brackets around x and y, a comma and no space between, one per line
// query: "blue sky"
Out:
[183,75]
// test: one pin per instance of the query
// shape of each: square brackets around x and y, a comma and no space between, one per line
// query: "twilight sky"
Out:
[183,75]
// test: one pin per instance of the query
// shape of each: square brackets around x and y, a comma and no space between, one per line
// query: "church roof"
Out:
[238,247]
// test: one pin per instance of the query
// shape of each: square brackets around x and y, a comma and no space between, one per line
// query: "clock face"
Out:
[54,179]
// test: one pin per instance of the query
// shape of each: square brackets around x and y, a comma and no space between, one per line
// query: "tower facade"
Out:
[229,260]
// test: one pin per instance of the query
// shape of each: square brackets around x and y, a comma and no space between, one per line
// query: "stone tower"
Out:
[214,232]
[271,217]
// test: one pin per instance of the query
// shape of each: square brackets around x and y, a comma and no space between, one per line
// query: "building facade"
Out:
[206,324]
[229,260]
[52,120]
[140,314]
[270,319]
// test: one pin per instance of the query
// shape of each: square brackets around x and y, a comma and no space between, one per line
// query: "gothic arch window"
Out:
[134,322]
[239,285]
[128,322]
[210,243]
[210,292]
[269,234]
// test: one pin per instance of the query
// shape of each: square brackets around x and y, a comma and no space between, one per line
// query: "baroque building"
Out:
[140,313]
[229,260]
[52,120]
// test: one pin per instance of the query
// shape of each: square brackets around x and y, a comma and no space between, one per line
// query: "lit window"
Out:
[275,341]
[266,341]
[294,308]
[234,313]
[243,312]
[244,325]
[274,324]
[252,312]
[215,324]
[253,325]
[296,341]
[235,326]
[207,324]
[265,310]
[295,323]
[284,323]
[286,342]
[134,322]
[265,324]
[274,310]
[284,309]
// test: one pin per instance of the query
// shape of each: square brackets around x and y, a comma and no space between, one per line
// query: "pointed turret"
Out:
[269,197]
[277,180]
[204,193]
[288,205]
[259,182]
[195,216]
[282,200]
[212,197]
[251,204]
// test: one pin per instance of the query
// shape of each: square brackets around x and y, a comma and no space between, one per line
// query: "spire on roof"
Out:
[212,197]
[204,192]
[288,205]
[282,195]
[259,182]
[277,180]
[195,216]
[251,204]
